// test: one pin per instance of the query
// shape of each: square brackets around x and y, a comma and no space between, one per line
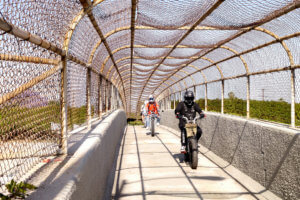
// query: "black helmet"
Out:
[189,98]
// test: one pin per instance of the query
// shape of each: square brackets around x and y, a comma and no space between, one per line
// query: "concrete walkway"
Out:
[152,168]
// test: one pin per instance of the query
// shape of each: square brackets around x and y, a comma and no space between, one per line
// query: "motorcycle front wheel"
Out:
[193,153]
[152,127]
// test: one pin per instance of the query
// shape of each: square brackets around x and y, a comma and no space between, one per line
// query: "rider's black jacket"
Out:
[188,111]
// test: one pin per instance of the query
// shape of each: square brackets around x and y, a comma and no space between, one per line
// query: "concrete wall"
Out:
[268,153]
[84,174]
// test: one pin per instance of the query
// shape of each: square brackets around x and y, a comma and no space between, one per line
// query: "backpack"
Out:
[190,114]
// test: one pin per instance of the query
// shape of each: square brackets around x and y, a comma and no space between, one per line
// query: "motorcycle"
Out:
[191,154]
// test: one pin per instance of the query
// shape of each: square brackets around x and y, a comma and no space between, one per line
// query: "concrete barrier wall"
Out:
[97,157]
[84,174]
[268,153]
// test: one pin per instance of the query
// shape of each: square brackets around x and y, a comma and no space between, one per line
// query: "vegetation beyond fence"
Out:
[19,121]
[276,111]
[49,116]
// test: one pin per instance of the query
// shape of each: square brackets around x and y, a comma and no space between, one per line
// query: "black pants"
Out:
[183,134]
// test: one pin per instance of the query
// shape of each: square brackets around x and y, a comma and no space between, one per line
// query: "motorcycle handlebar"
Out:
[193,120]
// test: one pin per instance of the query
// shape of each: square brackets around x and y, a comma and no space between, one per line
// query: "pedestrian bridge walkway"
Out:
[153,168]
[238,159]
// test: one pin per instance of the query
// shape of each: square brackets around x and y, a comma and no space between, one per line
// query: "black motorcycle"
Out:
[191,154]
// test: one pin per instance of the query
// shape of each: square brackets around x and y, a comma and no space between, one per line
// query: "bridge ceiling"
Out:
[152,46]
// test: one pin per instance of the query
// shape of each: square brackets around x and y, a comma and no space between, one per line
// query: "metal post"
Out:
[115,97]
[205,96]
[111,97]
[63,144]
[248,97]
[195,92]
[108,96]
[174,101]
[166,99]
[100,105]
[116,94]
[118,100]
[222,96]
[167,102]
[105,96]
[293,77]
[88,98]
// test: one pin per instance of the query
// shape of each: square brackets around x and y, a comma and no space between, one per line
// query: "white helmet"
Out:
[151,99]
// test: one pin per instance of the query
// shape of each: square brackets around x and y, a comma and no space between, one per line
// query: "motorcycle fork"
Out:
[183,137]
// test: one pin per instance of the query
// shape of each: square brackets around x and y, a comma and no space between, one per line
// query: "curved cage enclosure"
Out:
[65,62]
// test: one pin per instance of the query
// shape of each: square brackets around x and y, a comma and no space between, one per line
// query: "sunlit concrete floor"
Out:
[153,168]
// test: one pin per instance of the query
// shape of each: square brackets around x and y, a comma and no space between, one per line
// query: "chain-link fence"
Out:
[44,93]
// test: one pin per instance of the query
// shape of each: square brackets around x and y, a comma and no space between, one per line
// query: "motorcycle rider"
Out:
[152,106]
[187,108]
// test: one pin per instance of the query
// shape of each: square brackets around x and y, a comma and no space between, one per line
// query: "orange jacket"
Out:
[152,107]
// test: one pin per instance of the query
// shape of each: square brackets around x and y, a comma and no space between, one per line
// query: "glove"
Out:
[178,116]
[202,115]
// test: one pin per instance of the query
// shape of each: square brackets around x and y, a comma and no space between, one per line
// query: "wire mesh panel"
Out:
[29,127]
[14,74]
[83,41]
[212,73]
[76,95]
[294,46]
[171,14]
[284,25]
[111,15]
[219,54]
[249,40]
[235,96]
[271,96]
[99,57]
[175,61]
[206,38]
[185,52]
[238,13]
[200,96]
[198,77]
[232,67]
[48,19]
[267,58]
[157,38]
[151,53]
[214,96]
